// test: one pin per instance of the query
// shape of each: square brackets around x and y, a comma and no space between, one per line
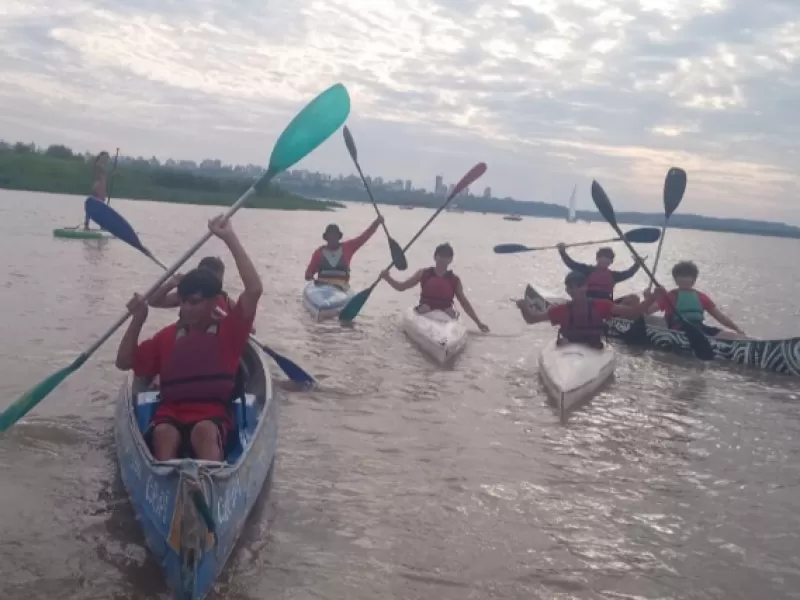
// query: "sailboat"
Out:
[572,214]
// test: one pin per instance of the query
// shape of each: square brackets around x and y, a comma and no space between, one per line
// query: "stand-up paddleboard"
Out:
[79,233]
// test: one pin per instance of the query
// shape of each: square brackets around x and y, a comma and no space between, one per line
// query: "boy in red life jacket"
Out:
[167,297]
[600,278]
[331,263]
[582,319]
[439,286]
[691,304]
[196,358]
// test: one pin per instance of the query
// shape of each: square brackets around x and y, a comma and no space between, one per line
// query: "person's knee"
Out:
[166,441]
[206,441]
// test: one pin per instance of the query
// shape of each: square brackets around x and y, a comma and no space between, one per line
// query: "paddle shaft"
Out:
[369,193]
[576,244]
[658,252]
[111,183]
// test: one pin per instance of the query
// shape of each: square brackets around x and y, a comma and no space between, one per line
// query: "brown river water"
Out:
[398,479]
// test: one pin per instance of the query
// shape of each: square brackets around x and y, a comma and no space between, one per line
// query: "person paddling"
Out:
[330,264]
[582,319]
[439,286]
[600,278]
[197,358]
[99,181]
[691,304]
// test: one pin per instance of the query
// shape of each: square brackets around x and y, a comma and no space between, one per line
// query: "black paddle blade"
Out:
[604,206]
[510,248]
[110,220]
[674,188]
[643,235]
[398,256]
[350,143]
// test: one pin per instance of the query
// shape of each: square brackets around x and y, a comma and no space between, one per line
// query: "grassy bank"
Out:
[138,180]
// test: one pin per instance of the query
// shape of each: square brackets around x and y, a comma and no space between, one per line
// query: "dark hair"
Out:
[575,279]
[443,250]
[212,263]
[685,268]
[199,281]
[605,251]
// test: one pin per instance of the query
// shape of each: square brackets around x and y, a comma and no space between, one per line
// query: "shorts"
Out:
[185,449]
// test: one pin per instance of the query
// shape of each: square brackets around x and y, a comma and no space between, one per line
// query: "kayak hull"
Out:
[325,301]
[572,373]
[79,233]
[436,333]
[777,356]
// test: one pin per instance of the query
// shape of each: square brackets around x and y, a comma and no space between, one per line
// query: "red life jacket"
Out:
[437,291]
[195,373]
[600,284]
[583,326]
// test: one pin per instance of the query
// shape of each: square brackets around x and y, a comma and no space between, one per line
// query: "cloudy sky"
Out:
[549,93]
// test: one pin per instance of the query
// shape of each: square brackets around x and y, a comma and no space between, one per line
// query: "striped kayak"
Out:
[323,301]
[436,333]
[79,233]
[179,503]
[777,356]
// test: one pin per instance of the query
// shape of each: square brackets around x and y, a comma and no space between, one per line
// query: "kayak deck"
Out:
[436,333]
[325,301]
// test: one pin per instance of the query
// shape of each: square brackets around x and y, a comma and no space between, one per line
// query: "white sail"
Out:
[572,217]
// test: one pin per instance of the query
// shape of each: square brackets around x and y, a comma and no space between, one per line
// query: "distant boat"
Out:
[406,207]
[512,218]
[455,209]
[572,215]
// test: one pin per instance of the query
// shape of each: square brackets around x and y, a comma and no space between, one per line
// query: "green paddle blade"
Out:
[313,125]
[354,306]
[25,403]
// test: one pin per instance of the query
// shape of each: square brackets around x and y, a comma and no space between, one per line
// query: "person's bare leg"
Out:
[206,441]
[166,441]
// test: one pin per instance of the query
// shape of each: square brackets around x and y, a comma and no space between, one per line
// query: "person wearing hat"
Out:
[582,319]
[601,279]
[330,264]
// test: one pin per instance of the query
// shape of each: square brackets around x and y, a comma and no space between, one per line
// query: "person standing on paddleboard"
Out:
[330,264]
[439,286]
[99,181]
[600,278]
[582,319]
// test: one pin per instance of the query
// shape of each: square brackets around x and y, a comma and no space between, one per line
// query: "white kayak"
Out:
[324,301]
[572,373]
[436,333]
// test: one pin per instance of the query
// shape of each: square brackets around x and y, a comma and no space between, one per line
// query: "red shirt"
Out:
[349,248]
[560,316]
[667,305]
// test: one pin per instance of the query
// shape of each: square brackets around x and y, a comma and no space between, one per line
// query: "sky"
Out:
[549,93]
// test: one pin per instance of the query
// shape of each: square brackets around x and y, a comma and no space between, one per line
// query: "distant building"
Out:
[450,189]
[487,193]
[408,185]
[439,187]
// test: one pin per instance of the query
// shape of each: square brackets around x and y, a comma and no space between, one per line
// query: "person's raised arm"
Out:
[620,276]
[126,352]
[401,286]
[352,245]
[253,288]
[571,264]
[166,296]
[462,299]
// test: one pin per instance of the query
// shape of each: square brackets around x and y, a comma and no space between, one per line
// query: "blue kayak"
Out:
[192,512]
[325,301]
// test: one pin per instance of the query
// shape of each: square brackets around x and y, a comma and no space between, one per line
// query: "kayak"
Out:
[572,373]
[79,233]
[325,301]
[436,333]
[164,495]
[776,355]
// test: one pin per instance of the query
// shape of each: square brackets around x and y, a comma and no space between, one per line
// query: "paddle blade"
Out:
[313,125]
[292,370]
[471,177]
[674,188]
[350,143]
[398,256]
[113,222]
[352,308]
[643,235]
[510,248]
[25,403]
[604,206]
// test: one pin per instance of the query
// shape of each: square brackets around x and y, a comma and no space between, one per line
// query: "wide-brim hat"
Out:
[332,228]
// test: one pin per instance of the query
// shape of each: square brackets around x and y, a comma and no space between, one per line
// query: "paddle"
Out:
[643,235]
[113,222]
[356,303]
[398,256]
[701,345]
[312,126]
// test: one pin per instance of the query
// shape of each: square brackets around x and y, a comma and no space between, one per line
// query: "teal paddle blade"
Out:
[313,125]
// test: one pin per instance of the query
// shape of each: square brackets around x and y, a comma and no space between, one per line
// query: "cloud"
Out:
[549,93]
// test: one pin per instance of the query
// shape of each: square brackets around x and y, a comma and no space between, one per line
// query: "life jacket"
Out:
[437,291]
[195,372]
[600,284]
[333,267]
[583,326]
[687,302]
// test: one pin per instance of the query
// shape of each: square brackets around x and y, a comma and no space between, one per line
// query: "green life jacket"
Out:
[687,302]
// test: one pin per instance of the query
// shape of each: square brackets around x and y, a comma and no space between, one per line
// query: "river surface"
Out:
[398,479]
